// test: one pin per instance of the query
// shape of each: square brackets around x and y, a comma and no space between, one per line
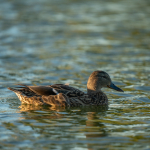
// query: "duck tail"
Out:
[13,89]
[18,89]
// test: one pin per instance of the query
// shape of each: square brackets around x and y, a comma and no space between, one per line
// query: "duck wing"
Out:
[67,90]
[42,90]
[53,90]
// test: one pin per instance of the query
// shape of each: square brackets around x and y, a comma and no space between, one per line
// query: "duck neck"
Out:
[91,92]
[93,86]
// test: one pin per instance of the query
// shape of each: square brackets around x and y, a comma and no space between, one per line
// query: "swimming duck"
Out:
[65,95]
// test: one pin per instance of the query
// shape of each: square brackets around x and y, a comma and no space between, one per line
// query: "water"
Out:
[44,42]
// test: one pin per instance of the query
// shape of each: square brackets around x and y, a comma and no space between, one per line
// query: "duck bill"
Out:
[112,86]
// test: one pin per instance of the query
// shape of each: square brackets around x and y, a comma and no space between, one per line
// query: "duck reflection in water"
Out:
[53,121]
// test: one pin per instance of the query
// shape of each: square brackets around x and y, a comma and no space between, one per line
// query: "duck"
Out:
[66,96]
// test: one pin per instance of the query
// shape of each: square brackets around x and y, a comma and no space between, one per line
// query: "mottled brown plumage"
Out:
[65,95]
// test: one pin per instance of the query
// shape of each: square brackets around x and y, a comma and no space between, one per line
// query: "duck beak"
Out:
[112,86]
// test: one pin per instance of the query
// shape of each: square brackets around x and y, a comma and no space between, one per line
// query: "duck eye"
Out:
[104,77]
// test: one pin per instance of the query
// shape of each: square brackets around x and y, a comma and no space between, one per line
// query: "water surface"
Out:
[46,42]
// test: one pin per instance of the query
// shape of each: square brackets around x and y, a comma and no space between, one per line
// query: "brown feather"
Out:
[42,90]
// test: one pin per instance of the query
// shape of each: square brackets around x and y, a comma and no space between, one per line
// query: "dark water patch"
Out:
[143,88]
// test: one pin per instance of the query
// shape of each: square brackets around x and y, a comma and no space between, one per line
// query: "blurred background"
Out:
[64,41]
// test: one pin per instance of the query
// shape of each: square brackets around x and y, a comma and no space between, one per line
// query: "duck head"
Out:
[98,80]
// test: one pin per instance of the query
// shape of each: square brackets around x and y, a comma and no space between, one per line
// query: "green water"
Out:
[45,42]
